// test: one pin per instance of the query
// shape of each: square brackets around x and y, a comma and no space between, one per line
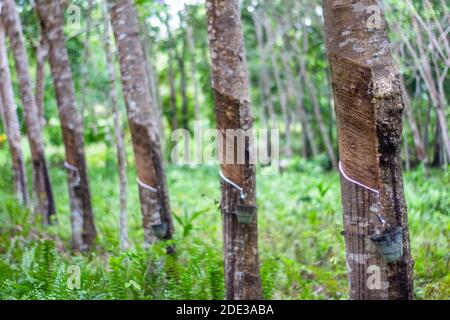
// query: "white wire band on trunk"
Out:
[146,186]
[365,187]
[72,168]
[241,190]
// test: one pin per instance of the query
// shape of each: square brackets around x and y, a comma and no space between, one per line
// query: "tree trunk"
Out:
[266,95]
[191,47]
[264,73]
[84,83]
[11,124]
[142,116]
[121,154]
[369,106]
[281,90]
[41,57]
[426,126]
[171,75]
[316,106]
[42,190]
[231,92]
[420,149]
[307,131]
[183,89]
[83,228]
[423,64]
[406,150]
[318,113]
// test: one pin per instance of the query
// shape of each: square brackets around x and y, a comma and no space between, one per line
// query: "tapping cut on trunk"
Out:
[232,105]
[369,104]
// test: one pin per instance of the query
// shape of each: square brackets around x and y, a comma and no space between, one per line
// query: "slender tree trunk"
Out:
[423,64]
[320,121]
[264,77]
[316,106]
[121,154]
[183,89]
[231,91]
[142,118]
[438,160]
[41,57]
[42,190]
[266,97]
[11,124]
[191,48]
[171,76]
[281,90]
[84,84]
[83,228]
[426,126]
[307,131]
[369,106]
[406,150]
[420,149]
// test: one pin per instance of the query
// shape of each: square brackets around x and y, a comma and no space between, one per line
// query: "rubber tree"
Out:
[369,104]
[230,84]
[51,15]
[11,124]
[142,119]
[120,146]
[41,58]
[42,190]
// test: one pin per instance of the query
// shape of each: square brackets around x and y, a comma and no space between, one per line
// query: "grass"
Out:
[302,254]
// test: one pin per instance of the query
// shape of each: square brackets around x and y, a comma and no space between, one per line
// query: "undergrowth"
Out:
[301,250]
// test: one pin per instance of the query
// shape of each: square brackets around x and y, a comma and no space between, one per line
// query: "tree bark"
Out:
[83,229]
[120,147]
[142,118]
[42,190]
[369,106]
[231,92]
[41,57]
[11,124]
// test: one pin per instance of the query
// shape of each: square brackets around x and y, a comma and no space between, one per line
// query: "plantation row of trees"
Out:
[166,79]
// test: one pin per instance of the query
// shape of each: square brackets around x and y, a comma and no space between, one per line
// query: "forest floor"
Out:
[300,218]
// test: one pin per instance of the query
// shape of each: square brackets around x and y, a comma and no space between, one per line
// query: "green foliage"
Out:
[302,254]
